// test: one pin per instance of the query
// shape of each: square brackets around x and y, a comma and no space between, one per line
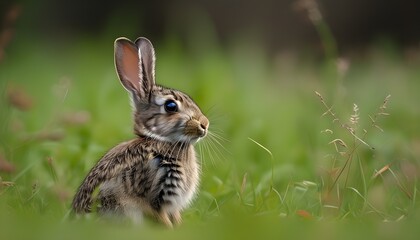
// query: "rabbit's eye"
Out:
[170,106]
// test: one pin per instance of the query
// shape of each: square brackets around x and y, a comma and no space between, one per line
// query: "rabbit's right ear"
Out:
[129,67]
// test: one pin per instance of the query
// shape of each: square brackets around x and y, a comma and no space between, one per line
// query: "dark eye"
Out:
[170,106]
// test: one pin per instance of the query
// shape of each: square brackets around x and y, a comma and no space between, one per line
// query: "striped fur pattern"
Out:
[155,174]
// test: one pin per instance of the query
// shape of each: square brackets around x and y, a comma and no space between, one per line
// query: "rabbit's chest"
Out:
[175,185]
[161,183]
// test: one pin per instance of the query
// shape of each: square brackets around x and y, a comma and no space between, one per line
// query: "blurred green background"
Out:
[280,164]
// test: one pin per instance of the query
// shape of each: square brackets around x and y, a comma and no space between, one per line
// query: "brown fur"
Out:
[155,174]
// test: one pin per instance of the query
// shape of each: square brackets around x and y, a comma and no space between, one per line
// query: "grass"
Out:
[278,174]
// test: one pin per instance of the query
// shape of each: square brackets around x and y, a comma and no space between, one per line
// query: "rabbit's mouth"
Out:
[182,139]
[196,128]
[191,136]
[188,135]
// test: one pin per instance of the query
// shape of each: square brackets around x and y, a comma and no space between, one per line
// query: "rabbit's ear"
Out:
[129,67]
[147,55]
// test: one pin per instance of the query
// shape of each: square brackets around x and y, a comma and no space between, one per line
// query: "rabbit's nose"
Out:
[204,122]
[197,127]
[204,125]
[202,130]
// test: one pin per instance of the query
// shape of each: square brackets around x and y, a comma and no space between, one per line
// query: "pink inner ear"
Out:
[128,66]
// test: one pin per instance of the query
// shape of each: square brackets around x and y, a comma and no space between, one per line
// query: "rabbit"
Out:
[157,173]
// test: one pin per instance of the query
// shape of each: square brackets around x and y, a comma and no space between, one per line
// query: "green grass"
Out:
[274,176]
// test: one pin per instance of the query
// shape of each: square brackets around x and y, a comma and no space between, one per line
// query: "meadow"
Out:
[302,146]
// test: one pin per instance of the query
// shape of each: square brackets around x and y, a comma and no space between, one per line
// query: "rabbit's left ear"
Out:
[128,66]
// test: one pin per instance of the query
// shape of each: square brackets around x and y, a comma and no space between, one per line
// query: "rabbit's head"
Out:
[160,113]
